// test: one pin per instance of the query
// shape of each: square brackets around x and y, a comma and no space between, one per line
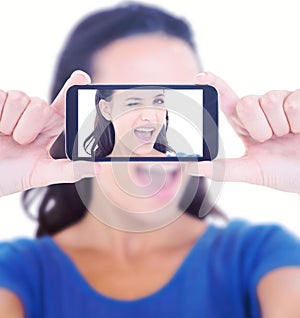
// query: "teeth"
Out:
[144,129]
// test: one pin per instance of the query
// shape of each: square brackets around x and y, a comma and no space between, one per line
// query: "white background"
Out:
[254,45]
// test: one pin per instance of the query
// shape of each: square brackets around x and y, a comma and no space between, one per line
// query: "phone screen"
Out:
[138,122]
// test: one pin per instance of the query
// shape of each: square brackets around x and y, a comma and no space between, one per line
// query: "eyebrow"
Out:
[159,95]
[139,98]
[134,98]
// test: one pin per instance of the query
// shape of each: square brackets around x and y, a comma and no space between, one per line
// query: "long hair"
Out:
[60,204]
[100,142]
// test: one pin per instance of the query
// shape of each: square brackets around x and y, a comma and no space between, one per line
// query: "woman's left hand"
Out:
[269,127]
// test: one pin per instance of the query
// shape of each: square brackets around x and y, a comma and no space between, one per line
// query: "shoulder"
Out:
[270,238]
[271,258]
[20,260]
[254,249]
[240,233]
[20,248]
[25,259]
[181,154]
[20,270]
[265,261]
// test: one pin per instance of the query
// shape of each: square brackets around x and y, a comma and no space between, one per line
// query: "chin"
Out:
[145,150]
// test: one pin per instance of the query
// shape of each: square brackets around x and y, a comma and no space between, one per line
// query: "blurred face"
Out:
[137,116]
[143,59]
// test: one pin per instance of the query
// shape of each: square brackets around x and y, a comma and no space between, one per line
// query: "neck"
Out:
[92,234]
[122,233]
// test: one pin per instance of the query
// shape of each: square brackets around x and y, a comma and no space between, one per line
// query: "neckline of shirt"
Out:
[195,250]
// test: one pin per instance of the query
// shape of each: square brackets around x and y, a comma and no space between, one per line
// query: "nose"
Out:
[148,114]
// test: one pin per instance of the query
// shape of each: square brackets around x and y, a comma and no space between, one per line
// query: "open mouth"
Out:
[160,179]
[144,133]
[146,172]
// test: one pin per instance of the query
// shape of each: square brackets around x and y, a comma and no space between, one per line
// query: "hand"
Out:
[28,128]
[269,127]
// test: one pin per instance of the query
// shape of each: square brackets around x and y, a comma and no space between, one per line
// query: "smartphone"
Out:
[141,122]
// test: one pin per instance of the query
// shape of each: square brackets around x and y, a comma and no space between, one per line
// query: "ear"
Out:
[105,109]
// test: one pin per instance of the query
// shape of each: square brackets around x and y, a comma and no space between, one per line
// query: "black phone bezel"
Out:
[210,138]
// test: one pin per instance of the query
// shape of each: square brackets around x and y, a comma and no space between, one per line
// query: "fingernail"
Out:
[81,76]
[202,74]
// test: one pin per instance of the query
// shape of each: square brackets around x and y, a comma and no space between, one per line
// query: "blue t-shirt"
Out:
[218,278]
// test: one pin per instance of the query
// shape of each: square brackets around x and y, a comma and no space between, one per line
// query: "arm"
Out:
[10,305]
[279,293]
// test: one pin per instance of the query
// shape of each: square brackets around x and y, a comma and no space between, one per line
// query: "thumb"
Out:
[223,170]
[77,78]
[65,171]
[227,96]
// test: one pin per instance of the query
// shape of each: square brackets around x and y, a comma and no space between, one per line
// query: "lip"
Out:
[161,180]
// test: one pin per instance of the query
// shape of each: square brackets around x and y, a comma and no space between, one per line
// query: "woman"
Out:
[184,268]
[128,123]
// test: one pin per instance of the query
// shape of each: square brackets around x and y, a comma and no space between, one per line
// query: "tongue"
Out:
[144,135]
[158,184]
[154,179]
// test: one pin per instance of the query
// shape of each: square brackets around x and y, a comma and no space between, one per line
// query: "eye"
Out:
[159,101]
[133,104]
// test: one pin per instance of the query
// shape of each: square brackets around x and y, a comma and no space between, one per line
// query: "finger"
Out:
[292,110]
[3,96]
[223,170]
[253,118]
[77,78]
[67,171]
[227,96]
[14,106]
[32,121]
[272,106]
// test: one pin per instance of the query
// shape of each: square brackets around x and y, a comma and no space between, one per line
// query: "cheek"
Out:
[161,116]
[123,122]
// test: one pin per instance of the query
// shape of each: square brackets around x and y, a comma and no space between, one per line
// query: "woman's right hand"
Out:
[28,128]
